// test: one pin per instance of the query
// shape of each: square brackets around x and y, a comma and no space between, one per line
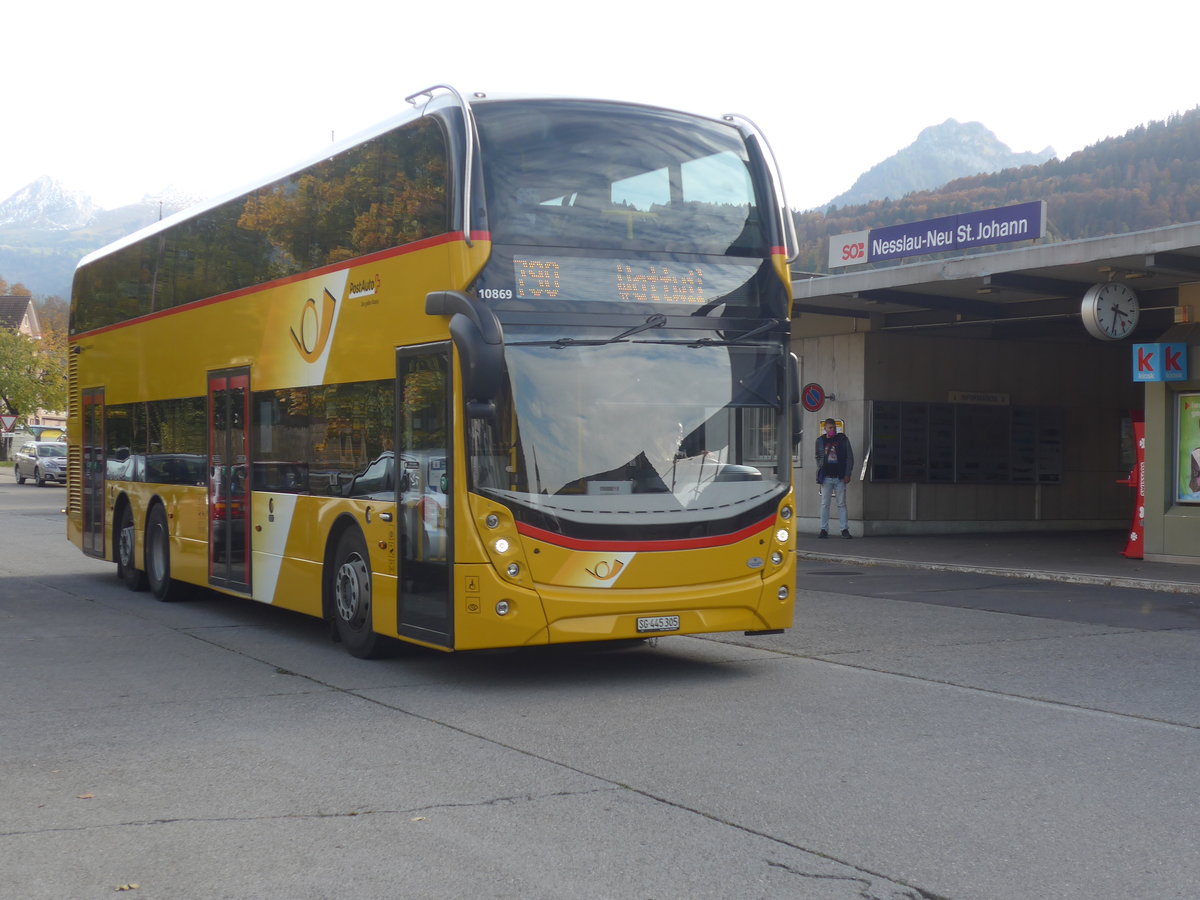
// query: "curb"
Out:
[1121,581]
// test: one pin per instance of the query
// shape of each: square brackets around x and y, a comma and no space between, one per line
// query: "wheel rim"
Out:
[352,591]
[156,557]
[126,544]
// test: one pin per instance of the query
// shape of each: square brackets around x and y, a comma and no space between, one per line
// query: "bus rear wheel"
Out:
[352,596]
[158,557]
[126,541]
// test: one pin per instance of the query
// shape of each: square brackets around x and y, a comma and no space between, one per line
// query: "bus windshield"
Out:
[586,174]
[630,433]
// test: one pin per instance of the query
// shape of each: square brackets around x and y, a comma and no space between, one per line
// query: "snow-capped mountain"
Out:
[45,228]
[46,205]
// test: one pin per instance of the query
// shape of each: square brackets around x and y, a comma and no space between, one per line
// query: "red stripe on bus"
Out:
[720,540]
[448,238]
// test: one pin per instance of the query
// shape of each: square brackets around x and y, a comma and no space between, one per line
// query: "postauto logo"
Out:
[311,333]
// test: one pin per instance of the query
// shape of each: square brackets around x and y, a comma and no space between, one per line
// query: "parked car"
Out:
[42,461]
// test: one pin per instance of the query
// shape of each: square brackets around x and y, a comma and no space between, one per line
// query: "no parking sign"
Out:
[812,396]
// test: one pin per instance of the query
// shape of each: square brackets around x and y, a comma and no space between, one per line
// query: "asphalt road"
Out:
[917,735]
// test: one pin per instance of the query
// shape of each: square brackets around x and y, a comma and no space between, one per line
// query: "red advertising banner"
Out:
[1137,479]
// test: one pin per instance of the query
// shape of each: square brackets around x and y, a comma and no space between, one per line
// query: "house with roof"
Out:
[19,314]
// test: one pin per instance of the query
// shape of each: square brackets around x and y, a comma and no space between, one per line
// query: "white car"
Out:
[42,461]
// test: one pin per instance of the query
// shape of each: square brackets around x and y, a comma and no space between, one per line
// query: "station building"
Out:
[976,399]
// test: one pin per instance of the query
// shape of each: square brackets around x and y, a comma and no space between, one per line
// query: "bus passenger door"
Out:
[424,465]
[229,479]
[93,474]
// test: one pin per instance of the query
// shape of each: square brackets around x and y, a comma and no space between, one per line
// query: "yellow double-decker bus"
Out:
[499,372]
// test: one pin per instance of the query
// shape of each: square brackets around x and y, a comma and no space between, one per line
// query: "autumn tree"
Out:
[14,290]
[53,314]
[33,374]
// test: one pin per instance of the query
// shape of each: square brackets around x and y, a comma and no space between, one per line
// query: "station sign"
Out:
[1002,225]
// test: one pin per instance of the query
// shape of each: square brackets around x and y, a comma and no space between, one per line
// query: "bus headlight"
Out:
[785,513]
[502,608]
[783,593]
[492,521]
[501,545]
[782,535]
[513,570]
[777,557]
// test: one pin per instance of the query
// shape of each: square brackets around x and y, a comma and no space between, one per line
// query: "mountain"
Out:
[1148,178]
[45,229]
[941,153]
[45,205]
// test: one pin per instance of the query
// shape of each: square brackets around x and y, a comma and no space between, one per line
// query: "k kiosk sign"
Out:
[1160,362]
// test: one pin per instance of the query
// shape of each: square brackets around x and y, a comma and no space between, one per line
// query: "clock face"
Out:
[1110,311]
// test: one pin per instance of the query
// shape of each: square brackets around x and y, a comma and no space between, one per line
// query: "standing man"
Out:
[835,461]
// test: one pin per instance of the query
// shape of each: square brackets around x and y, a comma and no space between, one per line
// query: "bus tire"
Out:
[352,598]
[158,556]
[126,544]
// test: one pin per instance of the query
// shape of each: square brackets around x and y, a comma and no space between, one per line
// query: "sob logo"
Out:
[849,249]
[311,334]
[855,251]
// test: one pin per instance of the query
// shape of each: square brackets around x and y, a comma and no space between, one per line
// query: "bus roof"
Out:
[436,102]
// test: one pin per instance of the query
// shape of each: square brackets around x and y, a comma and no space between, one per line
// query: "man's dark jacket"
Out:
[844,451]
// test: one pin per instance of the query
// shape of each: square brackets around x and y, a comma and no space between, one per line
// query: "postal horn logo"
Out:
[315,326]
[606,571]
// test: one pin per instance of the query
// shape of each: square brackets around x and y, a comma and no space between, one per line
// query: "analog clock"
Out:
[1110,310]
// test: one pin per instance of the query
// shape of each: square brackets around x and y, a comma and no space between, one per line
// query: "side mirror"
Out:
[794,396]
[793,378]
[479,339]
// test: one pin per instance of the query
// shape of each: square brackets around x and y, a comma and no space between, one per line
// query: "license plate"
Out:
[658,623]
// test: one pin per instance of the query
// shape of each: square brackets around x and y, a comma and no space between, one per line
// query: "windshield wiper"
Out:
[726,342]
[740,339]
[658,320]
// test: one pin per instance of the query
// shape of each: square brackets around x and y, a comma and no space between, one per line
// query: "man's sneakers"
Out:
[823,534]
[846,533]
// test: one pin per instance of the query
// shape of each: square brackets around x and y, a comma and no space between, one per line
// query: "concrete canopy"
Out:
[1029,292]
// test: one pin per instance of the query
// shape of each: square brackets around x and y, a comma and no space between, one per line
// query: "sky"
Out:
[121,99]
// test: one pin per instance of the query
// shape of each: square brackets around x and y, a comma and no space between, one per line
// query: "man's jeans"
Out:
[832,487]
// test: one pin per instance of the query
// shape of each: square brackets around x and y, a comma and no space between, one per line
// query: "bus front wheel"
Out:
[158,556]
[126,542]
[352,598]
